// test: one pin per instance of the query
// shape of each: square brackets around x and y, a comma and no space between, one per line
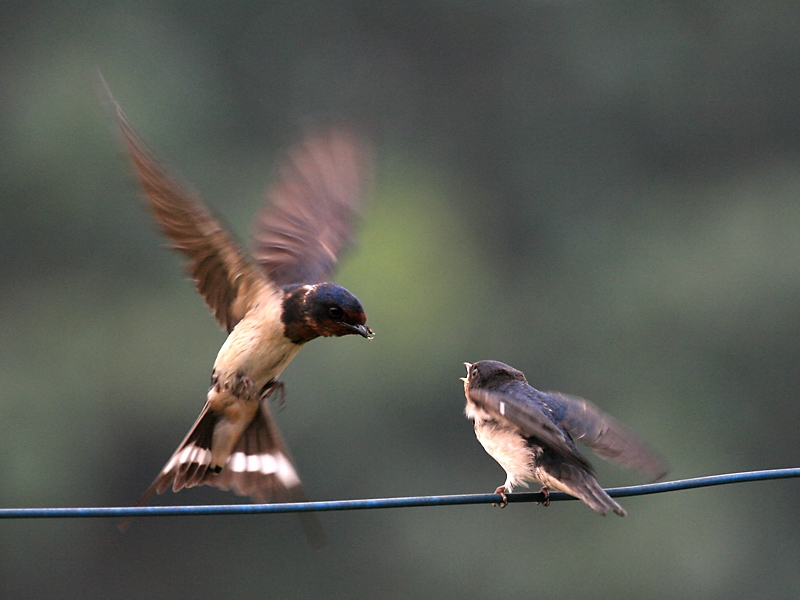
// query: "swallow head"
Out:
[489,373]
[325,309]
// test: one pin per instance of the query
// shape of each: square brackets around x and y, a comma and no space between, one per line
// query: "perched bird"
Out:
[271,305]
[530,433]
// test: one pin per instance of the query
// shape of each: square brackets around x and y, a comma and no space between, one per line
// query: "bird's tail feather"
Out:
[259,466]
[597,499]
[578,482]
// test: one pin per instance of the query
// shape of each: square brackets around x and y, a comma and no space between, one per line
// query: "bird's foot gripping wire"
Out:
[546,491]
[504,502]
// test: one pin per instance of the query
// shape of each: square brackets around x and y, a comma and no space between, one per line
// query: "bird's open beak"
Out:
[361,330]
[469,366]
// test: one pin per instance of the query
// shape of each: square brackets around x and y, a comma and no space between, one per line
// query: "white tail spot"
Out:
[286,472]
[268,464]
[238,462]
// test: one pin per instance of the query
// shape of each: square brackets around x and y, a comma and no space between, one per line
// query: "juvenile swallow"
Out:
[530,433]
[270,305]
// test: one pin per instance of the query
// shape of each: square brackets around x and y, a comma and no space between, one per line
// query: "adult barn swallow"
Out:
[530,433]
[270,305]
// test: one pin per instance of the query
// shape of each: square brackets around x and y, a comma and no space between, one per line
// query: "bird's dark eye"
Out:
[335,312]
[474,372]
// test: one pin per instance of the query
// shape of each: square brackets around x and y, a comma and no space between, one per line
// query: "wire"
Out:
[413,501]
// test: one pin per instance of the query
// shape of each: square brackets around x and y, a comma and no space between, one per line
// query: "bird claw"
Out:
[546,491]
[243,387]
[273,387]
[502,491]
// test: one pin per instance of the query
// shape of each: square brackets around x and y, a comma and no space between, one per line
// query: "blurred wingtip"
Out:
[658,469]
[105,95]
[314,531]
[124,524]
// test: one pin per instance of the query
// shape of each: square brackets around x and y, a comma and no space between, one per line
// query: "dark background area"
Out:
[604,195]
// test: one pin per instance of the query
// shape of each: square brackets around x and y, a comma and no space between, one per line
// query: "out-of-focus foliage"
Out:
[605,195]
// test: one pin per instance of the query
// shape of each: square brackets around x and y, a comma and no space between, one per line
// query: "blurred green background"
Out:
[604,195]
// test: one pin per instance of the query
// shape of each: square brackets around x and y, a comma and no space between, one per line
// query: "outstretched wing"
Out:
[605,435]
[222,272]
[312,207]
[518,405]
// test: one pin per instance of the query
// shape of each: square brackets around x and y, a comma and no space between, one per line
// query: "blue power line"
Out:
[413,501]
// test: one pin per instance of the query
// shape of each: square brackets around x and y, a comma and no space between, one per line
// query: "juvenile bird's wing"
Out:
[312,207]
[222,272]
[605,435]
[518,405]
